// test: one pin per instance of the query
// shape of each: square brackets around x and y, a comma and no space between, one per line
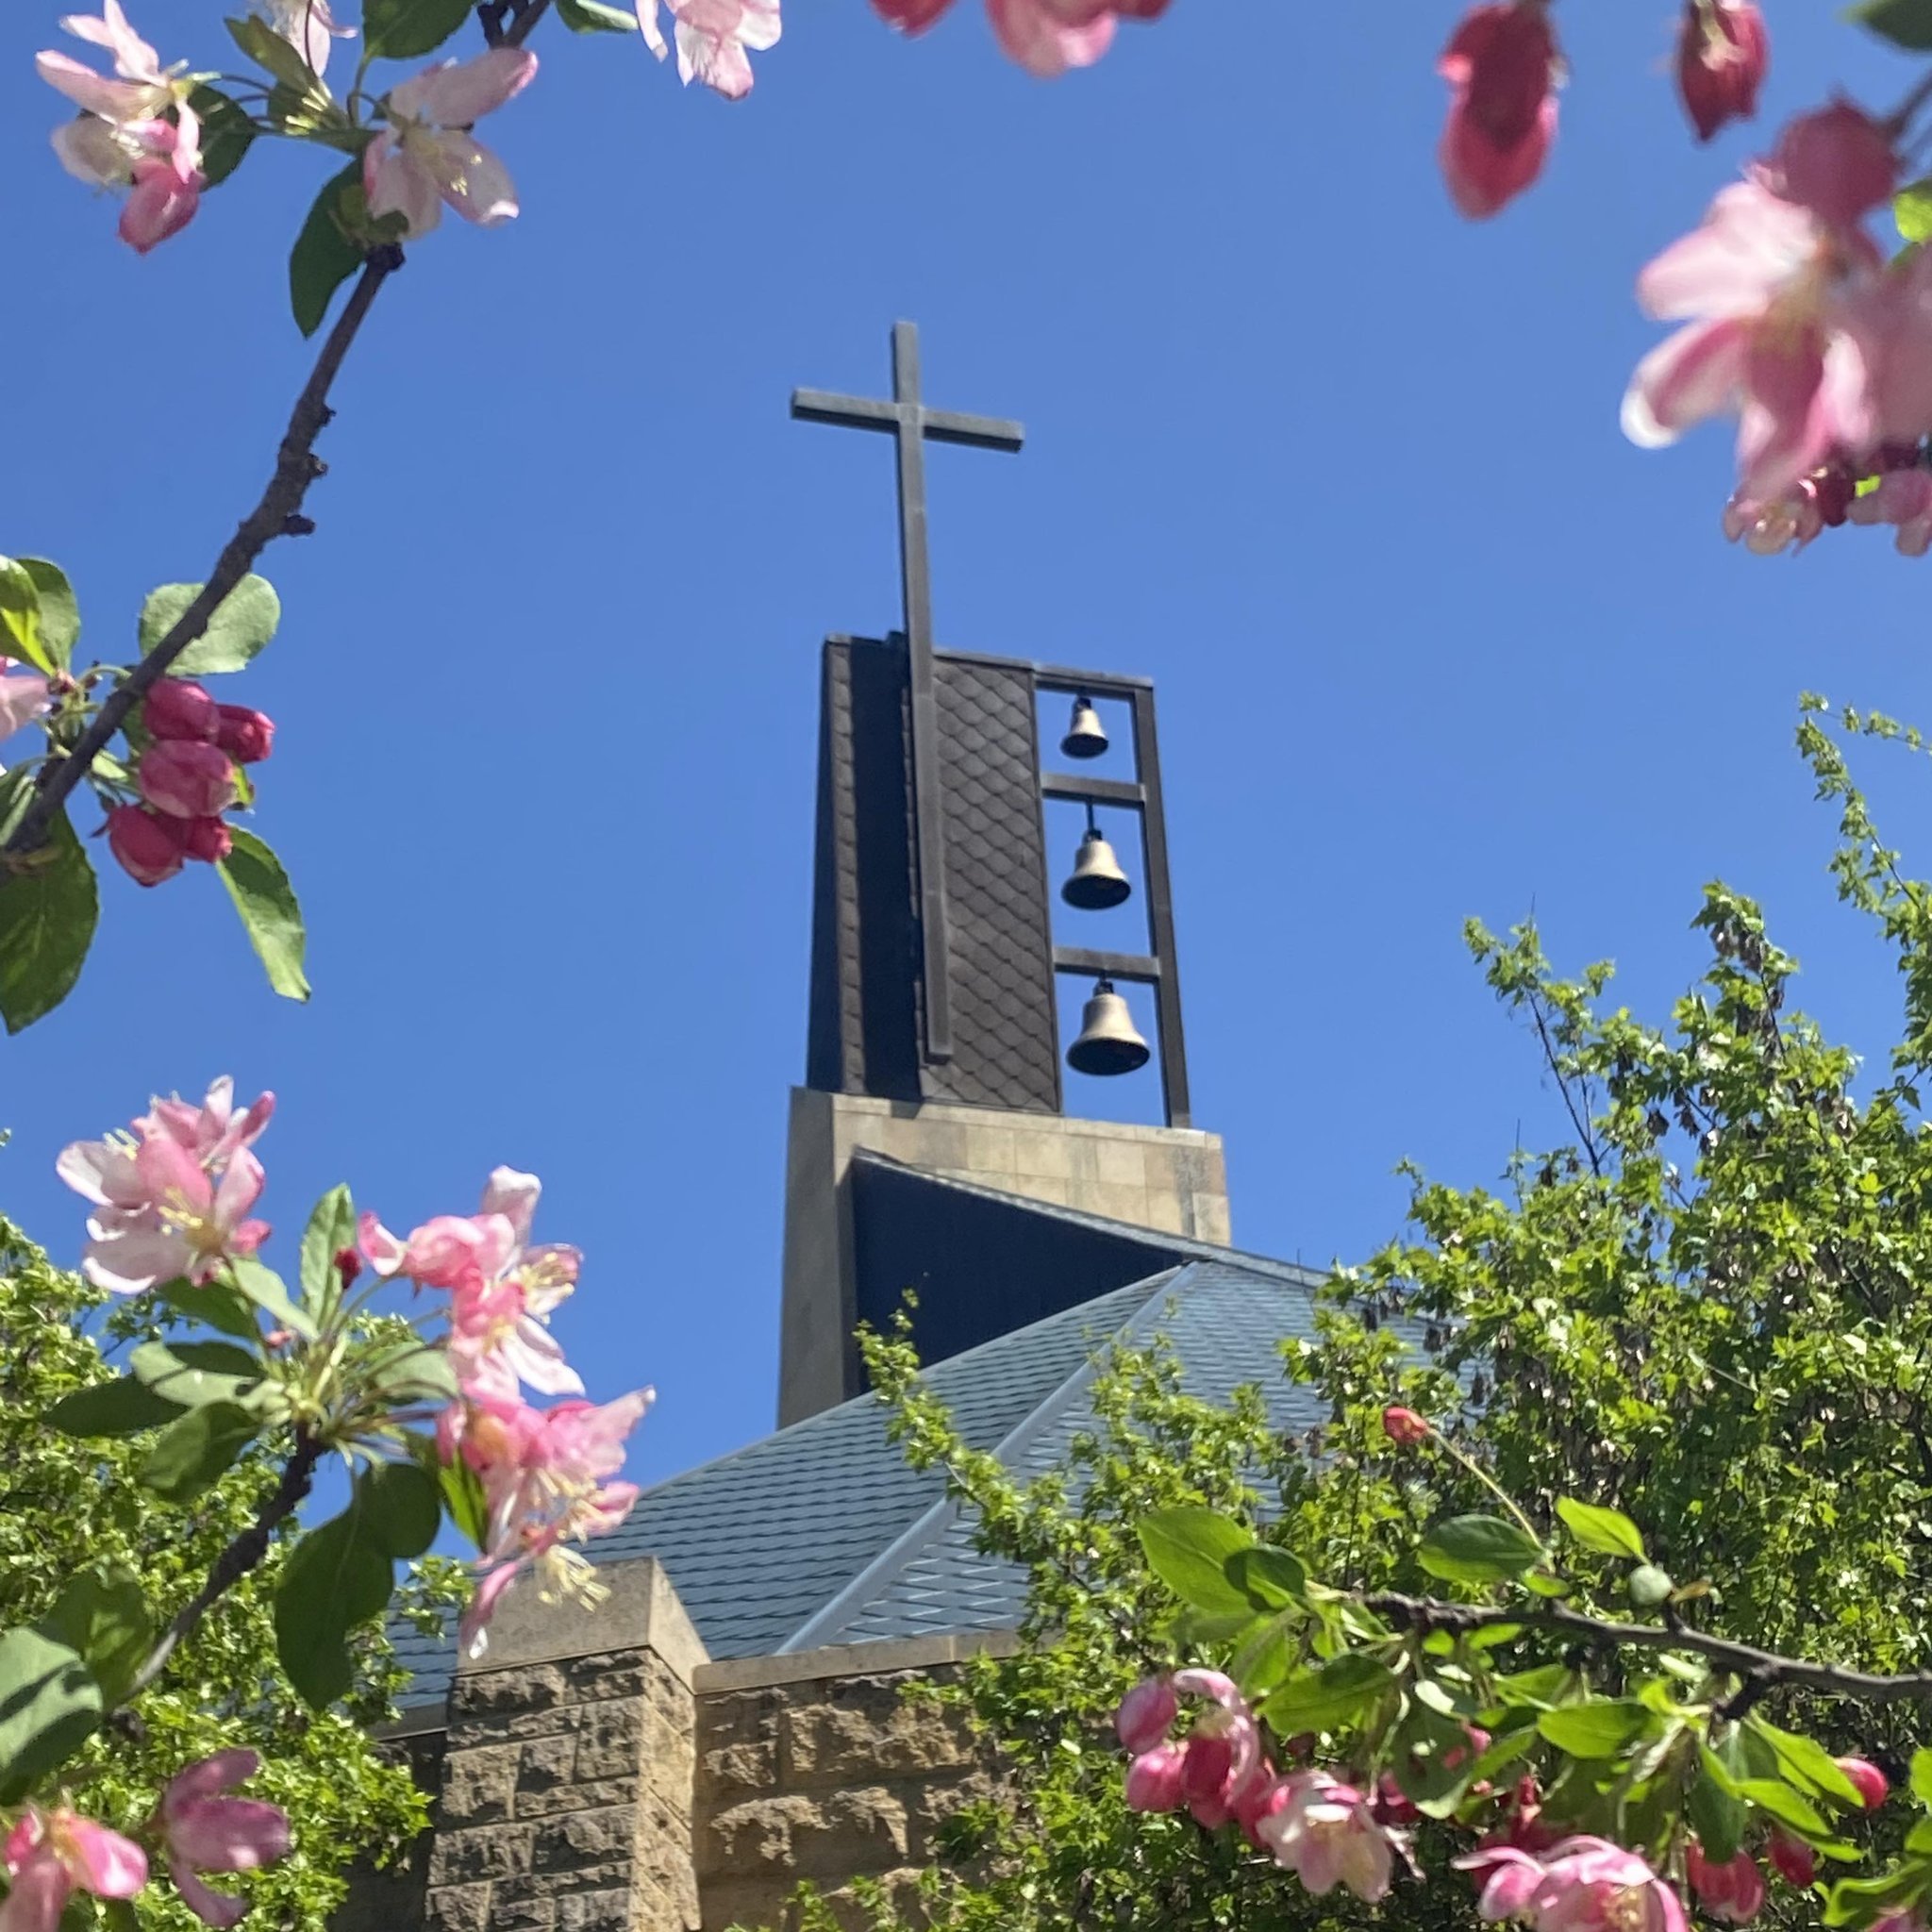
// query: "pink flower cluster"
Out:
[427,157]
[50,1854]
[124,137]
[1323,1830]
[1795,322]
[172,1197]
[1578,1885]
[714,39]
[546,1475]
[187,780]
[1045,36]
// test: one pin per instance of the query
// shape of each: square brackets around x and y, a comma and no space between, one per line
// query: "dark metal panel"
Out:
[1000,943]
[1096,965]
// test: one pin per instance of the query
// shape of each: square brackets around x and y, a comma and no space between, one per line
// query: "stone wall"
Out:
[566,1799]
[815,1766]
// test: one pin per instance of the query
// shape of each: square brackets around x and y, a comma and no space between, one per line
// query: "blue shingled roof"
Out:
[821,1534]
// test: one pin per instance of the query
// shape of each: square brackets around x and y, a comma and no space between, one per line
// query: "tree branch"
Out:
[275,515]
[522,15]
[235,1562]
[1763,1667]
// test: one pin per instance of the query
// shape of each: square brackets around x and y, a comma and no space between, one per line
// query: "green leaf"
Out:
[1807,1765]
[1535,1689]
[1271,1579]
[1478,1549]
[268,49]
[1609,1532]
[1604,1728]
[227,133]
[402,29]
[331,1228]
[192,1454]
[403,1505]
[49,1706]
[1922,1777]
[1649,1586]
[1319,1700]
[1716,1815]
[336,1578]
[325,255]
[103,1617]
[412,1373]
[59,608]
[463,1497]
[243,623]
[1265,1658]
[267,1290]
[1188,1548]
[110,1408]
[1905,23]
[20,616]
[188,1373]
[216,1304]
[49,910]
[593,17]
[1785,1804]
[267,904]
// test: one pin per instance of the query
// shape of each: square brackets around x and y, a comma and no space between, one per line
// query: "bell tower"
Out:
[937,964]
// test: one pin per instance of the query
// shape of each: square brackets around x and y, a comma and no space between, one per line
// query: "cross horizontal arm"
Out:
[941,426]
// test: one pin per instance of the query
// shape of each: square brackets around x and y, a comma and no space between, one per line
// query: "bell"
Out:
[1098,881]
[1107,1042]
[1086,736]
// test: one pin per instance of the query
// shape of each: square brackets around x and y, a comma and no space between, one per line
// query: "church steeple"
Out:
[934,1035]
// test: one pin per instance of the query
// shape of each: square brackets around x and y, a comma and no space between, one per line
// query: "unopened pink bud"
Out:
[1792,1860]
[1839,162]
[1733,1891]
[1206,1760]
[1146,1714]
[1263,1799]
[147,846]
[1390,1806]
[246,736]
[187,779]
[1501,66]
[1722,52]
[1154,1779]
[177,708]
[1868,1779]
[1403,1425]
[348,1265]
[207,839]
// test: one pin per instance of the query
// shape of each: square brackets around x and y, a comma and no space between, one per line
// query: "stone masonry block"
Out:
[478,1786]
[584,1838]
[572,1797]
[546,1762]
[1121,1162]
[599,1911]
[459,1909]
[737,1770]
[609,1740]
[491,1851]
[863,1729]
[487,1693]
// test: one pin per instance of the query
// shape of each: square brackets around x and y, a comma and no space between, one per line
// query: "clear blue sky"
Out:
[1340,472]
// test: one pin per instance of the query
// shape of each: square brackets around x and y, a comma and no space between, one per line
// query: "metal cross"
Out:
[907,419]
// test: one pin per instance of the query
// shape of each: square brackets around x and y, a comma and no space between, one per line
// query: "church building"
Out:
[729,1721]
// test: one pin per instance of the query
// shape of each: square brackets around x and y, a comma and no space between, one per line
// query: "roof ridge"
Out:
[824,1622]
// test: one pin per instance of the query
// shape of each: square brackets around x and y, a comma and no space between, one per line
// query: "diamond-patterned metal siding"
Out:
[1005,1035]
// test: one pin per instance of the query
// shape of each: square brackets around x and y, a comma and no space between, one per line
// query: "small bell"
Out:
[1108,1042]
[1086,736]
[1097,881]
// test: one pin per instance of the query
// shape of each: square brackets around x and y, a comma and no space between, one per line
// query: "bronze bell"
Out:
[1098,881]
[1108,1042]
[1086,736]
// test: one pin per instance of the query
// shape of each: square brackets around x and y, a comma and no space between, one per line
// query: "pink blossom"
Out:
[141,91]
[23,696]
[207,839]
[167,180]
[184,777]
[1580,1885]
[1326,1834]
[1222,1762]
[178,707]
[309,28]
[1733,1891]
[1146,1714]
[546,1478]
[208,1832]
[1045,36]
[1902,498]
[149,846]
[1783,327]
[1722,52]
[247,736]
[1154,1779]
[51,1854]
[170,1199]
[427,155]
[1501,66]
[713,37]
[1837,162]
[1265,1795]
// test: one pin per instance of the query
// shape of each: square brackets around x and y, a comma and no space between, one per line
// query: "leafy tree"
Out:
[1705,1310]
[75,1508]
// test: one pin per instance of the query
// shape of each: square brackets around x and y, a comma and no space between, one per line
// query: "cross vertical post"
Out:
[911,423]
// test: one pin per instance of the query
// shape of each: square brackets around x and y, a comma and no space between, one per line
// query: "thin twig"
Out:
[1763,1667]
[275,515]
[235,1562]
